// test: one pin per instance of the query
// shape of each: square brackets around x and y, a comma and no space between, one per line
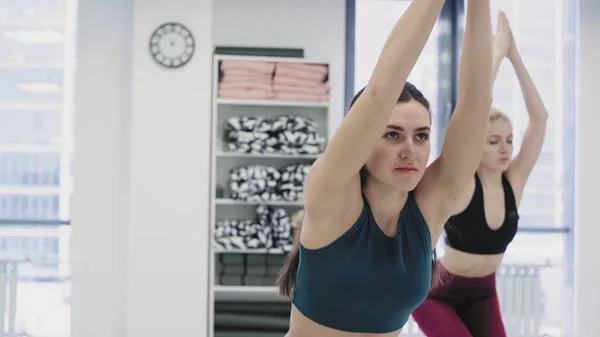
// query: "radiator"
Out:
[520,296]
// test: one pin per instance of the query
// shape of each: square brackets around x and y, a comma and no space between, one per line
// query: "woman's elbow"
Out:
[541,118]
[377,92]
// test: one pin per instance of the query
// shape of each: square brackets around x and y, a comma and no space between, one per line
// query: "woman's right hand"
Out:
[513,52]
[502,39]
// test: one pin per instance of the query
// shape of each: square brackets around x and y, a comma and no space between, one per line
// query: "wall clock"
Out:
[172,45]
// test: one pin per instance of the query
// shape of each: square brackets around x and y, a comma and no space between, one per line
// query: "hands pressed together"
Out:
[504,41]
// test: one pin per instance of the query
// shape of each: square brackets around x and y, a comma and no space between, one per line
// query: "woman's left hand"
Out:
[513,52]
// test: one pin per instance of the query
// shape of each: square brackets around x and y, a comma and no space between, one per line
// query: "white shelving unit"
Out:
[226,208]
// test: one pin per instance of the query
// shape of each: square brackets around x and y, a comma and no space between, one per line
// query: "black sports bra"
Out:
[469,232]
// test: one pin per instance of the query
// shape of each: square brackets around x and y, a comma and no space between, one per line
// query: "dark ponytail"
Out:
[287,276]
[436,272]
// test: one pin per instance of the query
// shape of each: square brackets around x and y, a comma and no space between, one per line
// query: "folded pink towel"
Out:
[292,96]
[321,89]
[262,67]
[315,68]
[288,80]
[246,94]
[301,74]
[251,78]
[246,85]
[244,72]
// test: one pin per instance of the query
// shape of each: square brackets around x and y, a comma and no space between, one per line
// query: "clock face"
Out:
[172,45]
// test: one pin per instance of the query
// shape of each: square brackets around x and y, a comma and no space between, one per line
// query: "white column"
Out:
[102,109]
[140,201]
[169,152]
[587,230]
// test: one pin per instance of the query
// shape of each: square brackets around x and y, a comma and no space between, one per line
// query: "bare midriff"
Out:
[302,326]
[470,265]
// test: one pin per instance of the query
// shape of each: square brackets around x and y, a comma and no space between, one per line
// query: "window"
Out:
[36,76]
[541,45]
[546,42]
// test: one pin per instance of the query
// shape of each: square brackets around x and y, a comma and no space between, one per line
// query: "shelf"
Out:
[219,250]
[247,294]
[255,102]
[270,203]
[243,289]
[266,155]
[219,57]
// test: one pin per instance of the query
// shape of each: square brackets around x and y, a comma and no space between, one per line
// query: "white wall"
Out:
[168,178]
[587,224]
[140,210]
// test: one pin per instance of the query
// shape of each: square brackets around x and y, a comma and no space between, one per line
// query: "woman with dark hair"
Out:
[486,217]
[373,211]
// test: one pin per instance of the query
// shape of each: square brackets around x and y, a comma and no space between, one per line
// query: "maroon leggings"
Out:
[462,307]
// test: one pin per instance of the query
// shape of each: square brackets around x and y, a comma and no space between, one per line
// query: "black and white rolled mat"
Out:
[254,183]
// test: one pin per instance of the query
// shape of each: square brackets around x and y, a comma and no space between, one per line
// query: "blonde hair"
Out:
[496,114]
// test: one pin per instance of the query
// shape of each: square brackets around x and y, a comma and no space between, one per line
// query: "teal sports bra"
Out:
[366,281]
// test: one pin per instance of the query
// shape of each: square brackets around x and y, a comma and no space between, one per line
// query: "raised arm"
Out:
[354,140]
[531,147]
[447,178]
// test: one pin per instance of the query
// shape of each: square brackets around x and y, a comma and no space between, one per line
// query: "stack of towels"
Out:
[284,81]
